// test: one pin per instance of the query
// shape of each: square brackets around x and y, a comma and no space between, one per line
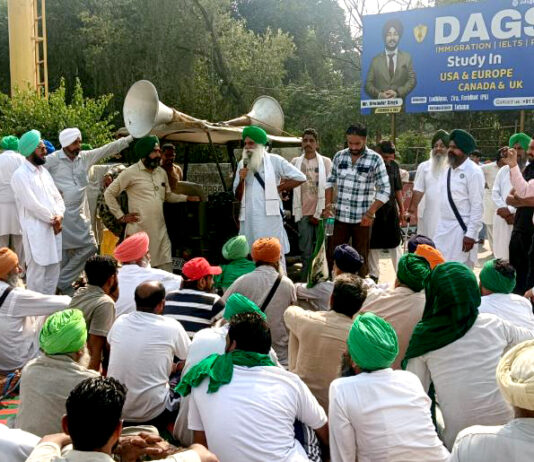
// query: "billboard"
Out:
[460,57]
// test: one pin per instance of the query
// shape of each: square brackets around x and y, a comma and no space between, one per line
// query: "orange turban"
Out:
[8,261]
[430,254]
[132,248]
[266,249]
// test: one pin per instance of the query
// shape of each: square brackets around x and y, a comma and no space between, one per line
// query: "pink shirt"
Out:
[522,187]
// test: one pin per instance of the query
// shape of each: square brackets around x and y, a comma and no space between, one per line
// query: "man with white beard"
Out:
[461,207]
[261,177]
[427,186]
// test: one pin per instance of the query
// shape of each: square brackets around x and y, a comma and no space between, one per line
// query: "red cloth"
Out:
[198,267]
[132,248]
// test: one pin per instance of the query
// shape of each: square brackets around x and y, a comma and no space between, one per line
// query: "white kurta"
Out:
[467,190]
[463,373]
[510,307]
[38,201]
[9,220]
[71,178]
[428,209]
[257,223]
[502,231]
[490,173]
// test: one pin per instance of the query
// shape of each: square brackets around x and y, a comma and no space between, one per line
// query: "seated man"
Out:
[20,316]
[497,282]
[418,240]
[97,303]
[317,339]
[133,254]
[380,414]
[403,306]
[457,349]
[93,424]
[47,380]
[514,441]
[432,255]
[271,291]
[244,407]
[143,345]
[235,251]
[194,305]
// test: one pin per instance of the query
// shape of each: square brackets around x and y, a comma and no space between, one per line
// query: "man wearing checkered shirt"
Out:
[363,187]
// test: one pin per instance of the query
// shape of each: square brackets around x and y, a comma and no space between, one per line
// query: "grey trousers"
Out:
[307,236]
[72,264]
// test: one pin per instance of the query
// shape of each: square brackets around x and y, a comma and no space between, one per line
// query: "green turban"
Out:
[10,143]
[144,146]
[520,138]
[372,342]
[463,140]
[255,133]
[63,332]
[412,270]
[440,135]
[86,147]
[495,281]
[451,308]
[238,303]
[28,142]
[236,248]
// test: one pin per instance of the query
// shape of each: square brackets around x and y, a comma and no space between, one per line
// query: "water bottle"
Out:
[329,226]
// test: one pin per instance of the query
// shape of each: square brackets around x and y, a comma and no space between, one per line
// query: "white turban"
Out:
[69,136]
[515,375]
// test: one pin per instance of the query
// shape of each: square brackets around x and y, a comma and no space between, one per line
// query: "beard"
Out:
[455,161]
[253,158]
[13,279]
[438,164]
[151,163]
[36,160]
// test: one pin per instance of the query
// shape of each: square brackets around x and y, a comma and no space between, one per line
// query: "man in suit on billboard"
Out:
[391,73]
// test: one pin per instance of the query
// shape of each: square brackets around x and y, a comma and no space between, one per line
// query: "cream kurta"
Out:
[146,190]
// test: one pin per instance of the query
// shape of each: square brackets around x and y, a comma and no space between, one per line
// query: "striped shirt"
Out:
[194,309]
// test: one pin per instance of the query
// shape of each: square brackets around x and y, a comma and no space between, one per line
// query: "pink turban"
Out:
[132,248]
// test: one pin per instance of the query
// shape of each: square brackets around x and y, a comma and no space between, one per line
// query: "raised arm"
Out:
[96,155]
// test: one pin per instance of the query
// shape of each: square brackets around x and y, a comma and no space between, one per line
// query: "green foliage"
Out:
[413,147]
[27,110]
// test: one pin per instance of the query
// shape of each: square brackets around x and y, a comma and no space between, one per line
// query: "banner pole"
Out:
[393,128]
[522,120]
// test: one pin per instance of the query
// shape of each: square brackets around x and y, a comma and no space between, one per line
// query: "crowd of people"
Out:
[238,362]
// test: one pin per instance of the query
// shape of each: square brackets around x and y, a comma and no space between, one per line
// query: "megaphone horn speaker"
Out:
[266,112]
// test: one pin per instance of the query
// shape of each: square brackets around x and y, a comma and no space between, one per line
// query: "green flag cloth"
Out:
[318,269]
[372,342]
[220,369]
[451,308]
[10,143]
[520,138]
[463,140]
[28,142]
[256,134]
[238,303]
[492,280]
[412,270]
[63,332]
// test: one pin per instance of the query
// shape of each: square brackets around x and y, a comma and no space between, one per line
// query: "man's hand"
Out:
[509,157]
[328,212]
[133,447]
[468,244]
[243,173]
[57,224]
[193,199]
[313,221]
[366,221]
[513,201]
[529,294]
[130,218]
[61,439]
[510,219]
[503,212]
[203,453]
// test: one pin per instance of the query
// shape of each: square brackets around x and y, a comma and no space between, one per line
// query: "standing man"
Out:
[69,168]
[309,199]
[427,186]
[461,203]
[490,173]
[174,172]
[147,187]
[40,209]
[386,231]
[261,178]
[362,188]
[10,160]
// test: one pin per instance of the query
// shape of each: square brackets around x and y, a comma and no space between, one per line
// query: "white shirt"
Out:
[428,209]
[382,416]
[510,307]
[251,419]
[16,445]
[143,346]
[467,191]
[130,276]
[463,373]
[513,442]
[502,231]
[501,189]
[20,324]
[9,162]
[38,200]
[490,173]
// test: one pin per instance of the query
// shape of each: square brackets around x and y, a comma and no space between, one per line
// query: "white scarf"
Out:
[297,192]
[272,199]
